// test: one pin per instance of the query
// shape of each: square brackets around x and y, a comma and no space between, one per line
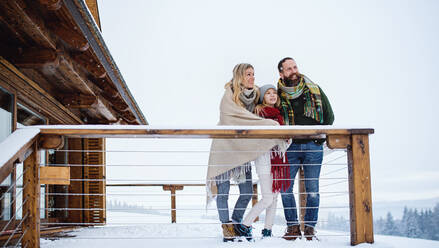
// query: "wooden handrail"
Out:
[17,147]
[223,132]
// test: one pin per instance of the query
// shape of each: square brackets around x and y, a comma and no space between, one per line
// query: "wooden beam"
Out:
[79,101]
[31,200]
[36,57]
[221,133]
[22,22]
[55,175]
[51,4]
[70,36]
[255,198]
[302,198]
[338,141]
[32,94]
[89,64]
[93,7]
[173,188]
[360,195]
[51,141]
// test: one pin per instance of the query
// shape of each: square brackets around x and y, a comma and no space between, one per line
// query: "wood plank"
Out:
[255,198]
[93,7]
[302,198]
[89,64]
[70,36]
[31,200]
[196,133]
[55,175]
[79,100]
[360,195]
[338,141]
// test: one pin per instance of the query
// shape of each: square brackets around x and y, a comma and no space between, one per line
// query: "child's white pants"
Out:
[269,199]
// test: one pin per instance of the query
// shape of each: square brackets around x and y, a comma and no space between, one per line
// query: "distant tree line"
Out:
[422,224]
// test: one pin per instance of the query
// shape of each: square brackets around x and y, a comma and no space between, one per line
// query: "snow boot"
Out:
[228,232]
[244,231]
[309,233]
[266,233]
[292,233]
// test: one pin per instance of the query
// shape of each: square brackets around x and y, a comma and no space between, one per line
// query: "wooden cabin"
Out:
[56,69]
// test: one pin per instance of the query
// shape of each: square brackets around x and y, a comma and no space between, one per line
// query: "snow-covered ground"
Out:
[193,232]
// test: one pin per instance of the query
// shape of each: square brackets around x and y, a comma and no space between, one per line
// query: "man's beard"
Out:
[289,81]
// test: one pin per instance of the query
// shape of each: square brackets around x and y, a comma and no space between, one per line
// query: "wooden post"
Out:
[255,198]
[173,188]
[360,196]
[302,198]
[31,200]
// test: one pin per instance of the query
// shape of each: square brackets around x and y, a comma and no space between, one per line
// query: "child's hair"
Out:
[259,109]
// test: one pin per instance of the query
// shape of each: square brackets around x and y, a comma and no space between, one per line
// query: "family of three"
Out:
[296,101]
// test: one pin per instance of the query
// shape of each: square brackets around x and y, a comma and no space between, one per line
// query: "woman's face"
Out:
[270,97]
[249,78]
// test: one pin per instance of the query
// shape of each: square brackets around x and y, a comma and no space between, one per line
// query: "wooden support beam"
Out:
[360,195]
[55,175]
[51,141]
[31,200]
[70,36]
[89,64]
[21,19]
[338,141]
[36,57]
[51,4]
[79,101]
[173,188]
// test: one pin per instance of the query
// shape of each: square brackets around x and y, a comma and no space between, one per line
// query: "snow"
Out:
[203,232]
[14,142]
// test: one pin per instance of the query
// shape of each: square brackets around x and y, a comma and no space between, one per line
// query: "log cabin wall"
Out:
[54,62]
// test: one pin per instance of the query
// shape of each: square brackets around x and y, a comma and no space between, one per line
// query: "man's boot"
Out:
[292,233]
[309,233]
[228,232]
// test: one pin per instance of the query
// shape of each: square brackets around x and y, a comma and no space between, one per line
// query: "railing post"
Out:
[31,200]
[255,198]
[360,196]
[302,198]
[173,188]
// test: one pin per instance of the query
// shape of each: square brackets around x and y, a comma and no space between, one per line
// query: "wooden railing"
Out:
[355,141]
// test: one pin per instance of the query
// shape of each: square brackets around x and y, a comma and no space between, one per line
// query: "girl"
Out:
[272,174]
[236,108]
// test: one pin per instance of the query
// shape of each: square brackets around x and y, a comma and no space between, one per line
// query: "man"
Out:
[302,103]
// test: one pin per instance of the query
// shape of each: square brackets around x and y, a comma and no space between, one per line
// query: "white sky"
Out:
[376,60]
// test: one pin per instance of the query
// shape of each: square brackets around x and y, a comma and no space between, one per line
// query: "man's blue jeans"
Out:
[310,156]
[245,191]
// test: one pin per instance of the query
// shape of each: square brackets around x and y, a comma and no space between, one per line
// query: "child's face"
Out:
[270,97]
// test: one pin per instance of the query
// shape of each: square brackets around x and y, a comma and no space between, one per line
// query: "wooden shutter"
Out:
[96,183]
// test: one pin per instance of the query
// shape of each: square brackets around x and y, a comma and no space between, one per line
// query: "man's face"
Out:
[290,72]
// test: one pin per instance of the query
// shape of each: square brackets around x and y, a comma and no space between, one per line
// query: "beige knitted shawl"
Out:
[227,154]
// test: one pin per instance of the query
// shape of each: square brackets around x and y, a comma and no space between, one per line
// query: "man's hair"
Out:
[279,66]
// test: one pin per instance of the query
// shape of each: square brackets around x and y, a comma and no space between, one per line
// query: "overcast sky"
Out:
[377,61]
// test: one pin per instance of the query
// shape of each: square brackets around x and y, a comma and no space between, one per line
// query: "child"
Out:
[273,174]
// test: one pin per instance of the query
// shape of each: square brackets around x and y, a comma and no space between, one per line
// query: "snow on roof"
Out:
[14,142]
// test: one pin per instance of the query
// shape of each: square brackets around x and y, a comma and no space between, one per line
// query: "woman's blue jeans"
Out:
[245,191]
[310,155]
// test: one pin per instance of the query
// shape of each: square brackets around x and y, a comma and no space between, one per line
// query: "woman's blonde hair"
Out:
[237,83]
[259,107]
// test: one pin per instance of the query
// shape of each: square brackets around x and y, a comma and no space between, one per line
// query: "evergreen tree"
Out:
[389,226]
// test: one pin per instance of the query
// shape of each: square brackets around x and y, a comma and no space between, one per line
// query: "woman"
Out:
[236,108]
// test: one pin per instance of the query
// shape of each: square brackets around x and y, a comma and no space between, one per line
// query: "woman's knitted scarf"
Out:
[248,97]
[313,100]
[279,164]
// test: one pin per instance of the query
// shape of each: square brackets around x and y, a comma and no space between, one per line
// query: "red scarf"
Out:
[279,166]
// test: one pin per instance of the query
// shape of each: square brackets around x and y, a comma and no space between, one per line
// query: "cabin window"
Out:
[6,113]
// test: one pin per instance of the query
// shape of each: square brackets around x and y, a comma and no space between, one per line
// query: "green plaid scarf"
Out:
[313,99]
